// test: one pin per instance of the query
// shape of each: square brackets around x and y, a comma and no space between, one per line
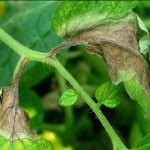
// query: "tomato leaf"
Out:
[24,144]
[137,92]
[68,98]
[145,39]
[113,32]
[29,24]
[72,17]
[144,144]
[108,94]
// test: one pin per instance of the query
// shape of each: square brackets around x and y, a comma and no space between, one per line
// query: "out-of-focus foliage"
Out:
[53,138]
[144,144]
[74,128]
[31,103]
[27,22]
[2,9]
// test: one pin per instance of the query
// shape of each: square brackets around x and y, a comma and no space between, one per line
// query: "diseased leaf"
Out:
[25,144]
[108,95]
[115,39]
[72,17]
[14,122]
[144,144]
[68,98]
[15,132]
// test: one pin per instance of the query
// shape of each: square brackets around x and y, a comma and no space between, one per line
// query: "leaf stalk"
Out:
[31,55]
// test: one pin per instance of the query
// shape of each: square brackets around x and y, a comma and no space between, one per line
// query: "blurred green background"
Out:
[67,128]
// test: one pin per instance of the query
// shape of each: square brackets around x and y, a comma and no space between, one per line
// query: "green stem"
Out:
[21,49]
[95,108]
[17,67]
[61,82]
[43,57]
[69,117]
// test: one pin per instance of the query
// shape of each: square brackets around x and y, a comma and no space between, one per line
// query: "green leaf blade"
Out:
[72,17]
[25,144]
[68,98]
[144,144]
[28,24]
[108,95]
[138,93]
[144,39]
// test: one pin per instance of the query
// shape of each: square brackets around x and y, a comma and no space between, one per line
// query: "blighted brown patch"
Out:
[13,119]
[14,122]
[117,43]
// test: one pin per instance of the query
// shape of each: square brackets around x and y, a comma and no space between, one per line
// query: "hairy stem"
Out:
[20,49]
[17,74]
[18,70]
[69,117]
[95,108]
[43,57]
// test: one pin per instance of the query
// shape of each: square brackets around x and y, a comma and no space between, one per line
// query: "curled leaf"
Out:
[116,37]
[72,17]
[68,98]
[108,95]
[13,120]
[15,132]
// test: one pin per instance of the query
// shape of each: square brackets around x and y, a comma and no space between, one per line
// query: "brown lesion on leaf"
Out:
[14,122]
[95,49]
[117,43]
[118,59]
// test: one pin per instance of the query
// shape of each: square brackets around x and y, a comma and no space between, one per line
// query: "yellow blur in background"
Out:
[3,9]
[55,141]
